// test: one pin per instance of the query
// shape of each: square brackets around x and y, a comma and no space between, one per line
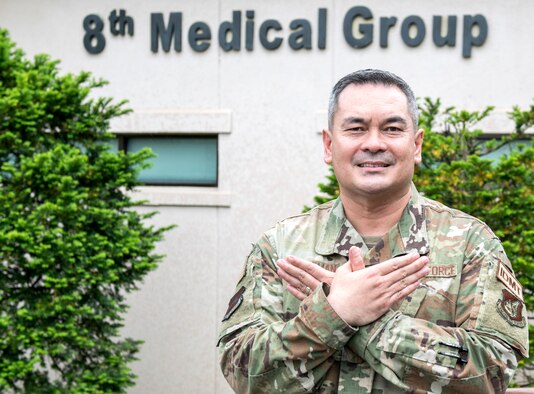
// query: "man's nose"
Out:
[374,141]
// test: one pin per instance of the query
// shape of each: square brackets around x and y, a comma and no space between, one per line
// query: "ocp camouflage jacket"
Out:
[461,331]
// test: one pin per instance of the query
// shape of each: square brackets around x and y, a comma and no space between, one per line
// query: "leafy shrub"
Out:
[71,246]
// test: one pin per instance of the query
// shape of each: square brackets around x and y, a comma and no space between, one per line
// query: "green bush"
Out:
[499,191]
[71,246]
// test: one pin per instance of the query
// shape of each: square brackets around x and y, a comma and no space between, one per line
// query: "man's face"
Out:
[373,145]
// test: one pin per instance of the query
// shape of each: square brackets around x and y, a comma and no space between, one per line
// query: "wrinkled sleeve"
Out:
[261,348]
[478,353]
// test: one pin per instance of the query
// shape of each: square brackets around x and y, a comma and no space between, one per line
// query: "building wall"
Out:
[269,107]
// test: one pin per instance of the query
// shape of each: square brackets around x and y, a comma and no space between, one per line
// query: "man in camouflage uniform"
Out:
[381,290]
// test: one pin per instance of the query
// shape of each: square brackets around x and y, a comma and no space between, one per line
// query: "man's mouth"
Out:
[373,164]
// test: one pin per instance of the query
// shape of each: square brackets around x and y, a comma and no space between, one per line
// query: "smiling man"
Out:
[381,290]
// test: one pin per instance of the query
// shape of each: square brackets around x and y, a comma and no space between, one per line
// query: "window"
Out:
[182,160]
[186,142]
[506,149]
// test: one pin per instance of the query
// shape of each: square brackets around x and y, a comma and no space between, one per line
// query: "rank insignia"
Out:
[511,309]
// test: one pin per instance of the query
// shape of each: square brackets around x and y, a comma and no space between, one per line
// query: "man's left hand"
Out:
[302,276]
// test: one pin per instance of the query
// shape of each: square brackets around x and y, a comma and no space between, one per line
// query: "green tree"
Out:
[455,171]
[71,246]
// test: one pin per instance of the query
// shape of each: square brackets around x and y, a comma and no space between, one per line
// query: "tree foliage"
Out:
[71,246]
[455,171]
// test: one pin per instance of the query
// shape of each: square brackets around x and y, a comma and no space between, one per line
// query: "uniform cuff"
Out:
[323,320]
[366,334]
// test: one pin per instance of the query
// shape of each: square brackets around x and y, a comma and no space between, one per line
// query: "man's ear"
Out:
[327,146]
[419,134]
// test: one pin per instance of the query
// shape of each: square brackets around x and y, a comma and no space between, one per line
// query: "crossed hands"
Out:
[358,294]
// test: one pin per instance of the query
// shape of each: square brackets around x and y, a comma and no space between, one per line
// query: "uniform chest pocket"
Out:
[430,304]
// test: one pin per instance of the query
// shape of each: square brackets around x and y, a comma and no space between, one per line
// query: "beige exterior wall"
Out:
[269,107]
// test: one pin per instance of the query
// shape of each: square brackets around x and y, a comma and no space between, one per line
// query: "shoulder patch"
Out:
[235,302]
[508,279]
[511,309]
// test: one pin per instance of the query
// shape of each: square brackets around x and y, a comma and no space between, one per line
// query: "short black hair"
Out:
[375,77]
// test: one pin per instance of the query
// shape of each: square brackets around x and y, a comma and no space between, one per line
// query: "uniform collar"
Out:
[408,235]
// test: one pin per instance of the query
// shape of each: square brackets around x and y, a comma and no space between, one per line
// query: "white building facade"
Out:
[246,83]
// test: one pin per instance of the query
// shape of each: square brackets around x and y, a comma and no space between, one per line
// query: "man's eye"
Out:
[357,129]
[393,129]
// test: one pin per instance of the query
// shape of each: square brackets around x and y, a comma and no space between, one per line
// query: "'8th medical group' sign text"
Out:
[243,31]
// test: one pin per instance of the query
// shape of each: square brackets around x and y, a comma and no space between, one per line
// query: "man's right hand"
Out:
[361,295]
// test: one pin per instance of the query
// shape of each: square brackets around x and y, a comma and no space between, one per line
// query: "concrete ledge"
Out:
[174,121]
[182,196]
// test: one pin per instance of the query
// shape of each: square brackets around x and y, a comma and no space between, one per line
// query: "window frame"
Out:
[122,145]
